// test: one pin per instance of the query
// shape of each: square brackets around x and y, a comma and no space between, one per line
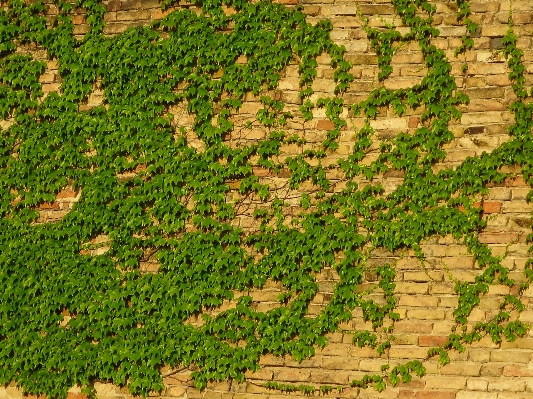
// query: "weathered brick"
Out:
[513,370]
[292,375]
[461,368]
[491,370]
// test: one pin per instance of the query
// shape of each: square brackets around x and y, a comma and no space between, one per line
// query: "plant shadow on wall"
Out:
[154,188]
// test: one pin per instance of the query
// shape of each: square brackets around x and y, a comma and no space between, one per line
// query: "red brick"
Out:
[432,340]
[413,121]
[515,182]
[492,207]
[512,370]
[325,125]
[489,206]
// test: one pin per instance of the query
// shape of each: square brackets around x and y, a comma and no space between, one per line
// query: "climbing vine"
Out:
[73,311]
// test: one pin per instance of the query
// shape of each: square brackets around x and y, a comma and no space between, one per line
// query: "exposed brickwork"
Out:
[426,294]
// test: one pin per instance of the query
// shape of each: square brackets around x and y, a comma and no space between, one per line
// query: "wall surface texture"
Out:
[425,289]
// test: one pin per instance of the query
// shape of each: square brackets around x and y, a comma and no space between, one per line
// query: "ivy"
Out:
[76,307]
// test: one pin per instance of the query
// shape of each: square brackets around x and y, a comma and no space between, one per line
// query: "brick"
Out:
[461,368]
[423,276]
[485,92]
[325,125]
[432,340]
[376,9]
[406,394]
[389,393]
[412,288]
[443,382]
[413,121]
[474,130]
[418,301]
[476,118]
[105,389]
[476,395]
[175,391]
[463,262]
[498,80]
[362,59]
[292,375]
[261,172]
[212,395]
[514,395]
[492,207]
[520,193]
[390,123]
[339,363]
[515,182]
[447,31]
[498,238]
[435,395]
[507,385]
[413,326]
[477,384]
[513,370]
[491,370]
[334,349]
[47,206]
[13,393]
[330,377]
[406,352]
[426,314]
[509,356]
[494,31]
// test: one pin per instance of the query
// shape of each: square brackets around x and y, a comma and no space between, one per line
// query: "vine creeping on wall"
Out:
[72,313]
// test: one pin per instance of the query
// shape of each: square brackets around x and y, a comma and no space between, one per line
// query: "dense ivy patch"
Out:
[124,325]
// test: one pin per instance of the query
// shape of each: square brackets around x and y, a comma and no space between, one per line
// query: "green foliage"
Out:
[174,208]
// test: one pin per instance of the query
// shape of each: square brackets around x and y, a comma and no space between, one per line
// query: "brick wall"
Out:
[426,295]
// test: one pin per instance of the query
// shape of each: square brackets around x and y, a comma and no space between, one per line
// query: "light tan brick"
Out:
[507,384]
[477,384]
[476,395]
[509,356]
[418,301]
[461,368]
[443,382]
